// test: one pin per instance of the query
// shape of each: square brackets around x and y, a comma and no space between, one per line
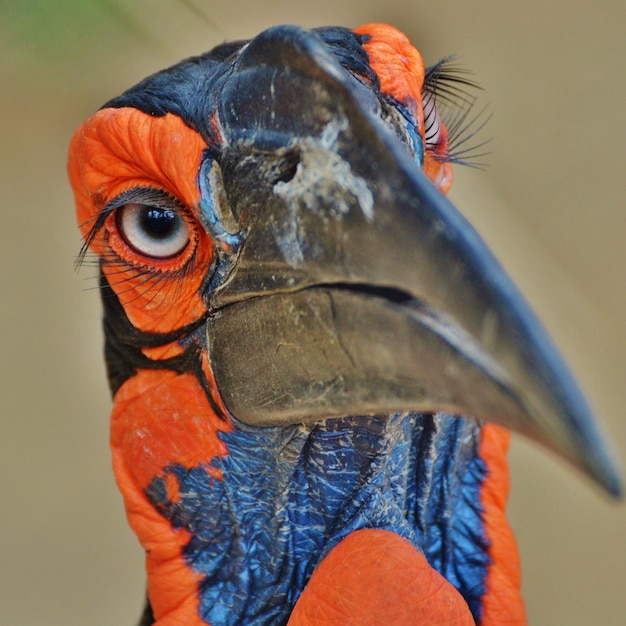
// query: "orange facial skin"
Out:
[502,602]
[162,417]
[159,417]
[120,149]
[376,577]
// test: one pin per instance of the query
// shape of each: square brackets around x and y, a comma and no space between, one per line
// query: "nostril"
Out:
[287,167]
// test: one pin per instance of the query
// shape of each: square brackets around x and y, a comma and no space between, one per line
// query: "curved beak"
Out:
[348,284]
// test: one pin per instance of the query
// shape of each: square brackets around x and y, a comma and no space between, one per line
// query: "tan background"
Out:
[551,205]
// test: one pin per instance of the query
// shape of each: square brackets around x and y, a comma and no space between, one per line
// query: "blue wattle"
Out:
[289,494]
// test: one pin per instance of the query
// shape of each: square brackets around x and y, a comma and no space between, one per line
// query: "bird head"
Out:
[277,257]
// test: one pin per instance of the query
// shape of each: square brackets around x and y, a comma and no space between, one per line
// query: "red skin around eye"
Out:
[119,149]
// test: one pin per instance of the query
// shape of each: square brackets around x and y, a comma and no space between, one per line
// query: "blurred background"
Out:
[551,205]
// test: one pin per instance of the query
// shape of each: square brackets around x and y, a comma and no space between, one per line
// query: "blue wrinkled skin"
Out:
[290,494]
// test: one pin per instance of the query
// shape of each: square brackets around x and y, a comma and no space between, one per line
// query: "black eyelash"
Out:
[152,281]
[455,99]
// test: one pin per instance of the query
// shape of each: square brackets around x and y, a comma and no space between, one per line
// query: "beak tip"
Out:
[610,478]
[597,460]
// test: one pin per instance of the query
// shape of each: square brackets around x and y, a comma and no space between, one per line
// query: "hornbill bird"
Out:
[315,360]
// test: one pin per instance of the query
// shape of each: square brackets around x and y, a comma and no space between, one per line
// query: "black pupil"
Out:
[159,223]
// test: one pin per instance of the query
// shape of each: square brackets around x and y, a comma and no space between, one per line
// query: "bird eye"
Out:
[153,231]
[432,121]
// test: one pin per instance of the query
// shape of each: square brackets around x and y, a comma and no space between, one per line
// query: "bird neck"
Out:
[235,519]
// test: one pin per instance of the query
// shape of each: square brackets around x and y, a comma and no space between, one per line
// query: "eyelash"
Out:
[449,94]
